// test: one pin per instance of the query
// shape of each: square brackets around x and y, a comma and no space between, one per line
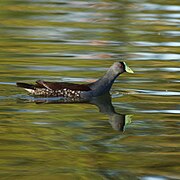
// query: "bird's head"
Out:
[121,67]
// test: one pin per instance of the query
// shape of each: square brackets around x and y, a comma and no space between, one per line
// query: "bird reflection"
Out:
[104,103]
[117,121]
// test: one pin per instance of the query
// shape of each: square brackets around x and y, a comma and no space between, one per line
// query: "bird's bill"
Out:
[128,69]
[128,120]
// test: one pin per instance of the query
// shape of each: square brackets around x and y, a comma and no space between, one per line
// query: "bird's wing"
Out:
[63,85]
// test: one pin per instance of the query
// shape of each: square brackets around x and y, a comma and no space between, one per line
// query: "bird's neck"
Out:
[104,84]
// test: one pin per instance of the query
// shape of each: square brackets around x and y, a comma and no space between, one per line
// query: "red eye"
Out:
[120,65]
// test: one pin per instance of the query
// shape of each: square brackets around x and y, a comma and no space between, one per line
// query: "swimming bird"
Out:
[70,90]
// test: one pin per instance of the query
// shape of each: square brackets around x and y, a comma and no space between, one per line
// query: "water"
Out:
[76,41]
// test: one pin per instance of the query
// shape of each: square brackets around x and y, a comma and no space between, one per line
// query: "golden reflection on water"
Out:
[75,42]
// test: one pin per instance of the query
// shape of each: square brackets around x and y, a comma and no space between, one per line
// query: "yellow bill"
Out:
[128,69]
[128,119]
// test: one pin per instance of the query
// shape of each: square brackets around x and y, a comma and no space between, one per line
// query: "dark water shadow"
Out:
[104,103]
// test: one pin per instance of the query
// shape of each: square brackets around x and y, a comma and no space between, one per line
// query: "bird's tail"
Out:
[25,85]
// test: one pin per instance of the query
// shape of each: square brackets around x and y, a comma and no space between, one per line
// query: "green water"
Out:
[76,41]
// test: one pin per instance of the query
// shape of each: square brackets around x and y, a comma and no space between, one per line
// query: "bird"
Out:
[76,91]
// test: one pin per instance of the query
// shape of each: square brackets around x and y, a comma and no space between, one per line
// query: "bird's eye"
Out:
[120,65]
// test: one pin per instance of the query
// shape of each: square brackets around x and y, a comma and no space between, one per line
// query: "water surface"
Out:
[76,41]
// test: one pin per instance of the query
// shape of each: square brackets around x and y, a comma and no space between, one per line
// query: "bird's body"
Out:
[70,90]
[55,89]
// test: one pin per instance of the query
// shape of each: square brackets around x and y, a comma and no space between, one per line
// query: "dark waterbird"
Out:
[77,91]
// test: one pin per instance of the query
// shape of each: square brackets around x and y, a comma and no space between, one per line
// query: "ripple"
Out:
[7,83]
[31,111]
[159,93]
[151,56]
[150,177]
[42,123]
[172,33]
[83,42]
[83,17]
[57,68]
[147,43]
[169,111]
[151,6]
[71,56]
[166,69]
